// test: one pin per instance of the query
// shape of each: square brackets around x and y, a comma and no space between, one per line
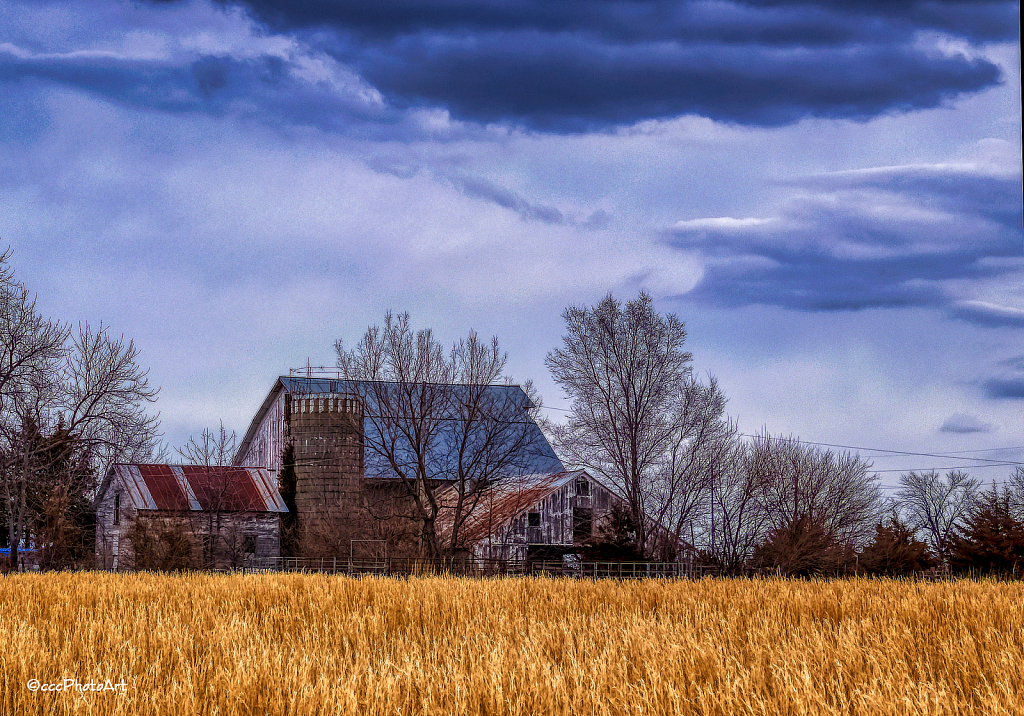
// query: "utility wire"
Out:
[900,452]
[952,454]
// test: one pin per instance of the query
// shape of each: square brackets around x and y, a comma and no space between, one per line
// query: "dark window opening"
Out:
[249,544]
[582,488]
[533,519]
[117,509]
[582,524]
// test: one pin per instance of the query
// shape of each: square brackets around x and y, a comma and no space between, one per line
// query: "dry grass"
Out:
[307,644]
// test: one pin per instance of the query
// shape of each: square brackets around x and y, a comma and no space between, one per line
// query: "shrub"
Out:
[992,541]
[802,549]
[615,539]
[162,548]
[895,551]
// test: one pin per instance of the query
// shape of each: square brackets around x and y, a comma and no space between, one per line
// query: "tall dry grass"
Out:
[307,644]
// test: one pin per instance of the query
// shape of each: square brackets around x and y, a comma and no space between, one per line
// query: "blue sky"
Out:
[828,193]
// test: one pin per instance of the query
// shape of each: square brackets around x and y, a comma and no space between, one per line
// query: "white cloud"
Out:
[721,223]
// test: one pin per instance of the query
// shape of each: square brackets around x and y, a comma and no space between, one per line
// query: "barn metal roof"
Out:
[502,503]
[538,456]
[199,488]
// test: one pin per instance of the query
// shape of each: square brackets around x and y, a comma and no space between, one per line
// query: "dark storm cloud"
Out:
[891,238]
[1005,387]
[266,85]
[808,21]
[579,84]
[962,423]
[978,19]
[588,64]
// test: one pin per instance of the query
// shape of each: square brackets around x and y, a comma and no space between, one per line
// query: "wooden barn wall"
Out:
[111,541]
[269,441]
[556,522]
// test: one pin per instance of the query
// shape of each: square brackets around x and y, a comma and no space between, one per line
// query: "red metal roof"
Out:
[200,488]
[228,489]
[500,504]
[163,487]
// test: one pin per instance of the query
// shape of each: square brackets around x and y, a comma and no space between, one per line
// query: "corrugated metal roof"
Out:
[500,504]
[165,489]
[196,487]
[537,457]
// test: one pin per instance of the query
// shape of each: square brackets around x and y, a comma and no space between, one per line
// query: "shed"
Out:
[187,516]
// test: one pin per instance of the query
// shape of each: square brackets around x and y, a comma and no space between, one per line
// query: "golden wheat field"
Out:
[312,644]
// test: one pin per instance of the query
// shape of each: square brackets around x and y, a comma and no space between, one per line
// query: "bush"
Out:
[615,539]
[895,552]
[992,541]
[803,549]
[162,548]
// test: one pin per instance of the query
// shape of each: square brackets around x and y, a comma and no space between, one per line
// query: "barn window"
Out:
[533,519]
[582,488]
[249,544]
[117,508]
[582,524]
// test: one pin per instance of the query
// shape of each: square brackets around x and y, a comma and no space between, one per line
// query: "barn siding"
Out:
[556,522]
[269,441]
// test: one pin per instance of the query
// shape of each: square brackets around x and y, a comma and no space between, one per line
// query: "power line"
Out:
[886,452]
[954,467]
[899,452]
[952,454]
[957,452]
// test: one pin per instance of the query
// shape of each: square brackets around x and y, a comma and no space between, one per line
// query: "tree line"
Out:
[658,437]
[74,401]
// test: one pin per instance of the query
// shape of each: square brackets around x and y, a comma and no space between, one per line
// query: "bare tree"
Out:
[735,522]
[84,387]
[938,506]
[834,490]
[31,351]
[214,451]
[638,421]
[434,418]
[210,449]
[31,347]
[699,448]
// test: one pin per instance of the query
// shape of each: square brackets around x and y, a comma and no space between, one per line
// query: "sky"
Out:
[827,192]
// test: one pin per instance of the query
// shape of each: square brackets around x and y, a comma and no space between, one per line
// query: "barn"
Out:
[178,516]
[340,491]
[541,516]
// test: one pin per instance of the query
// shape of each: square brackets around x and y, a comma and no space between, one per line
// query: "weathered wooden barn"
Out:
[341,493]
[166,516]
[539,516]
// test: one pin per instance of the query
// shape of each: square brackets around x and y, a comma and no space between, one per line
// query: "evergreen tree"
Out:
[895,551]
[992,542]
[615,541]
[287,488]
